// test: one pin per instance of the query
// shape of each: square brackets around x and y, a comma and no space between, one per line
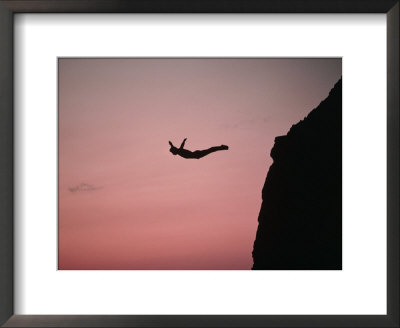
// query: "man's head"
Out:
[173,149]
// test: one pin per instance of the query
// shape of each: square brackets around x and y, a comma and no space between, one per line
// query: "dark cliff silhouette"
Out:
[300,221]
[185,153]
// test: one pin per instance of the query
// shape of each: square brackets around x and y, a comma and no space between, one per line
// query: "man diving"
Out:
[194,154]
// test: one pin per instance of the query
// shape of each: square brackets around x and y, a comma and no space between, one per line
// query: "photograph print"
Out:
[199,164]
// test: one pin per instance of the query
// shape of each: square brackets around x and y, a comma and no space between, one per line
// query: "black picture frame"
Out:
[10,7]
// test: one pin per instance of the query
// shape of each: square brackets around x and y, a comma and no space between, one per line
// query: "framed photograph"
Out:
[199,164]
[170,201]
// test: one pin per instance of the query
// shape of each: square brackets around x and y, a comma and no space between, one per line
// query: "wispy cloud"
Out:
[84,187]
[244,124]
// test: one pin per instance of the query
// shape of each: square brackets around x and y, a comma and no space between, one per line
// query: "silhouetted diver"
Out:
[194,154]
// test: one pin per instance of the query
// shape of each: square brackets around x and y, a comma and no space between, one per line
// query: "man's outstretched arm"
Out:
[183,143]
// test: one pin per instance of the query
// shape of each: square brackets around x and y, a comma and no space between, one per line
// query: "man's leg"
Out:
[205,152]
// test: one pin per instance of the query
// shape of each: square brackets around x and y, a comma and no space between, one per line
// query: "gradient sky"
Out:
[125,202]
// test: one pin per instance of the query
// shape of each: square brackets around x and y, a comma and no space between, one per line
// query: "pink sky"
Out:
[152,210]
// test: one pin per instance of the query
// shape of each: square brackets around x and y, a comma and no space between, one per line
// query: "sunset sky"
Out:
[126,203]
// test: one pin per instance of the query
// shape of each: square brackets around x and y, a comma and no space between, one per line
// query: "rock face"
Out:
[300,221]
